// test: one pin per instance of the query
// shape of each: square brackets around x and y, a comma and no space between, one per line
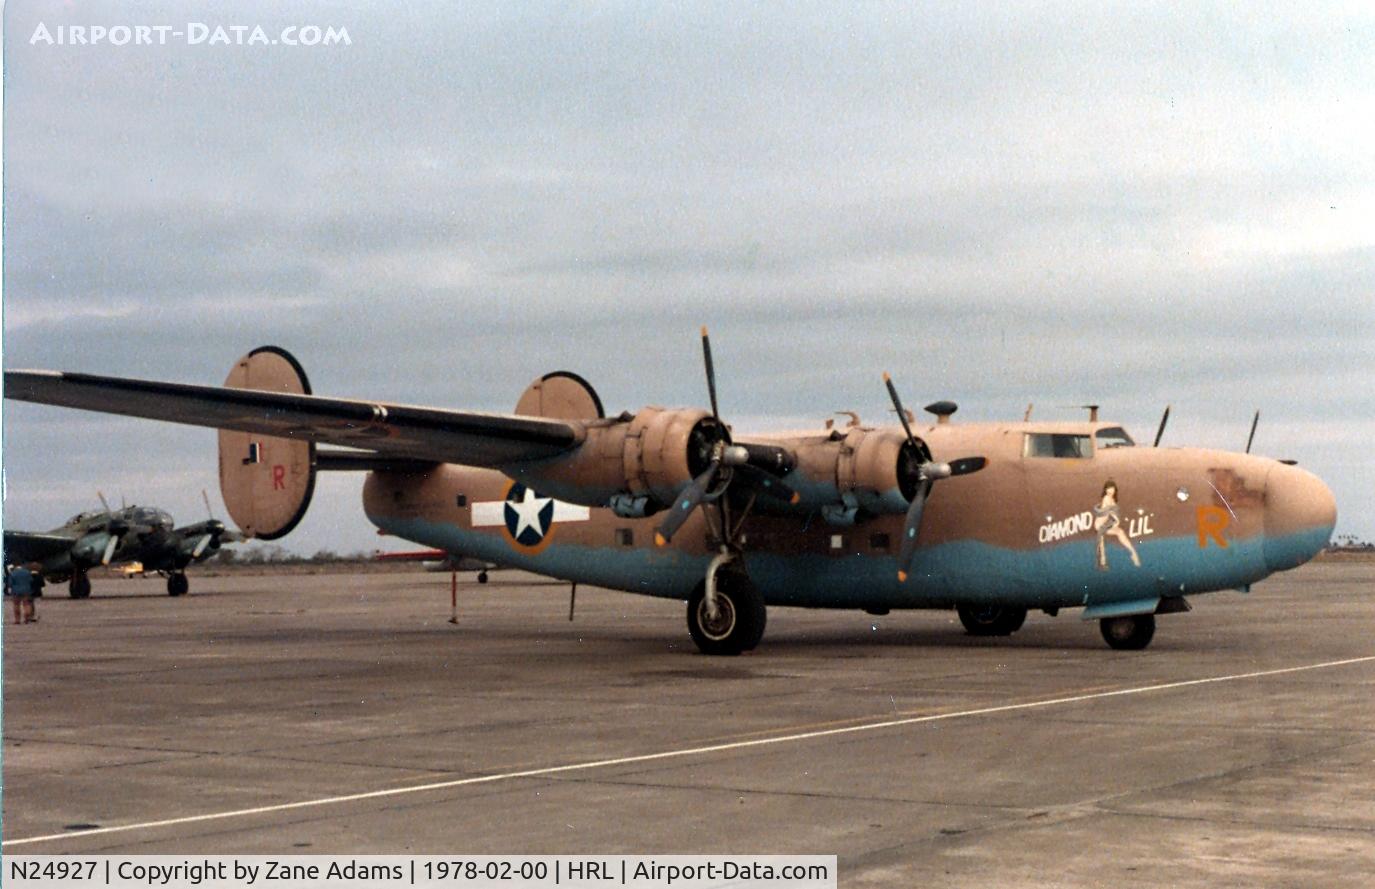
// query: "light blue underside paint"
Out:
[1062,576]
[1121,609]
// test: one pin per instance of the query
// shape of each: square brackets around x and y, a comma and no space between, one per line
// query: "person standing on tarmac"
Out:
[19,588]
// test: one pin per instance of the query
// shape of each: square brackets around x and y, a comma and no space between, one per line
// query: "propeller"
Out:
[114,527]
[1164,418]
[711,372]
[928,473]
[757,464]
[1252,437]
[215,530]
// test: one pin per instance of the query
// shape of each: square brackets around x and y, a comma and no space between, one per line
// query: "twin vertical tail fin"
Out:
[266,482]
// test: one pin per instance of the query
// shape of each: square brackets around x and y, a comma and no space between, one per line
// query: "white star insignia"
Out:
[527,512]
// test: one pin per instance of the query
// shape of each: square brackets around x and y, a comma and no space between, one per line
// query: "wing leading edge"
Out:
[467,437]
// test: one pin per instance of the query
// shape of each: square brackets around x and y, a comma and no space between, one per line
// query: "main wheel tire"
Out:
[1131,633]
[177,585]
[992,620]
[79,587]
[740,616]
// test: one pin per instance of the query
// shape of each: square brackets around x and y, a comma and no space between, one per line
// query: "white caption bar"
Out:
[469,871]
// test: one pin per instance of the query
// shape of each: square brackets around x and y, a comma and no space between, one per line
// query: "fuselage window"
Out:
[1056,444]
[1114,437]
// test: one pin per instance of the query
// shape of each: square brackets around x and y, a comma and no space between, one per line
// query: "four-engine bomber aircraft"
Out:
[992,519]
[134,533]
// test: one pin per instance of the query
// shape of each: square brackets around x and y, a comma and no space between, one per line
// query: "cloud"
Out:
[998,204]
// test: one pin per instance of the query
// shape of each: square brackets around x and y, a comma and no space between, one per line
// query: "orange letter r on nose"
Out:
[1212,521]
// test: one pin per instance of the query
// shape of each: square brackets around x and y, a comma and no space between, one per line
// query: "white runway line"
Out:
[670,754]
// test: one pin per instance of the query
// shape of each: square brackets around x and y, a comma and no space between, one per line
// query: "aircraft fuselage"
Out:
[1033,528]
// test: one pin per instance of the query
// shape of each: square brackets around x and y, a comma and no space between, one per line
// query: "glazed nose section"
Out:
[1300,514]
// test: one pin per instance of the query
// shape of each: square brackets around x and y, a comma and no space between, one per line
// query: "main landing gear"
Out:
[1131,633]
[177,584]
[80,586]
[992,620]
[726,614]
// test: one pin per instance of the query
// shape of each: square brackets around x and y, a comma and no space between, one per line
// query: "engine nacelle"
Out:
[89,550]
[648,458]
[879,469]
[873,471]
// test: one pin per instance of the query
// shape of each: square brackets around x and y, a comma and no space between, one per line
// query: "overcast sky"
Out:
[998,203]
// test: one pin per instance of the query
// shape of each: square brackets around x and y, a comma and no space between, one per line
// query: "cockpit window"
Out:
[1055,444]
[1114,437]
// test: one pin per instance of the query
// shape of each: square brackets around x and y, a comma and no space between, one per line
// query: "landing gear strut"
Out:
[80,586]
[992,620]
[177,584]
[1131,633]
[733,622]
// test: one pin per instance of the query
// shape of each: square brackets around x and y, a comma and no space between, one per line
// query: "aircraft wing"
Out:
[199,529]
[467,437]
[23,546]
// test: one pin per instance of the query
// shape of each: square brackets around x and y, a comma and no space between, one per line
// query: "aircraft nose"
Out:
[1300,513]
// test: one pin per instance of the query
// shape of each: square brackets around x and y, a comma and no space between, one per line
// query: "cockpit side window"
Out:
[1113,437]
[1055,444]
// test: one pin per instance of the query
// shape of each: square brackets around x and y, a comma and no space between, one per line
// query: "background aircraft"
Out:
[134,533]
[992,519]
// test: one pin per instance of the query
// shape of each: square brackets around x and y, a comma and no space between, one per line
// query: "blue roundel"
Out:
[528,515]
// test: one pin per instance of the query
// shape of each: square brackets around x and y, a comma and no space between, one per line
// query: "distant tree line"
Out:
[272,554]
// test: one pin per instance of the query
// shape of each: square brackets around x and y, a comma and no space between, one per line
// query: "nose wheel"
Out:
[177,584]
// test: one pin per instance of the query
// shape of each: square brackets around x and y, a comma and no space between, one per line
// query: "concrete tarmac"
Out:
[300,713]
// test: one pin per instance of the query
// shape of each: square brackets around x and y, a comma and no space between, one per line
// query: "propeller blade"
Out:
[910,529]
[691,497]
[897,404]
[209,513]
[766,484]
[711,373]
[1164,418]
[200,546]
[110,548]
[966,465]
[103,502]
[1252,436]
